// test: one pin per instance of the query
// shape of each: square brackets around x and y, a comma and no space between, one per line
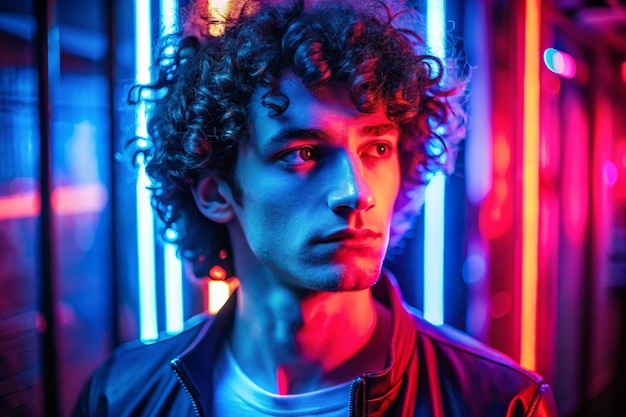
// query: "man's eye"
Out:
[300,155]
[378,150]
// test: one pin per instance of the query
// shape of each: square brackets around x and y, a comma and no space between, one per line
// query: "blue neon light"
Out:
[435,191]
[148,325]
[169,17]
[174,321]
[143,42]
[173,268]
[433,249]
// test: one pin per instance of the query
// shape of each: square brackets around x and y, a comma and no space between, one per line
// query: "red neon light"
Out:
[66,200]
[19,205]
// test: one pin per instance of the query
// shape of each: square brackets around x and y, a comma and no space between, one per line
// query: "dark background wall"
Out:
[68,268]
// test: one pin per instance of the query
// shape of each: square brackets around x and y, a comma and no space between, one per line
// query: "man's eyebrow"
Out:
[288,134]
[377,130]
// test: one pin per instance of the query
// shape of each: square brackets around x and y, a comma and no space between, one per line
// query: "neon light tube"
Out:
[435,27]
[169,17]
[174,320]
[478,145]
[530,187]
[434,209]
[148,325]
[433,249]
[143,43]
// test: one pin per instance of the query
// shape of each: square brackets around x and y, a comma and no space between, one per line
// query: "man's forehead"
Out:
[303,99]
[324,109]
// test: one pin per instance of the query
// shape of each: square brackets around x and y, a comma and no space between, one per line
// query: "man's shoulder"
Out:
[475,377]
[463,351]
[165,347]
[139,360]
[135,371]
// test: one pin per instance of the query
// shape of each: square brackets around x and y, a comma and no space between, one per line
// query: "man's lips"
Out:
[351,238]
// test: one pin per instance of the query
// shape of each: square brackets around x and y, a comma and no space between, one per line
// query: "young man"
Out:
[292,149]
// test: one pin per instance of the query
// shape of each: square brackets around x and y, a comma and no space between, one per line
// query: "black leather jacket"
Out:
[433,371]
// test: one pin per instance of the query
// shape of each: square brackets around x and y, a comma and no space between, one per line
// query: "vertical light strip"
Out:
[433,249]
[530,190]
[478,144]
[174,319]
[148,326]
[169,17]
[435,191]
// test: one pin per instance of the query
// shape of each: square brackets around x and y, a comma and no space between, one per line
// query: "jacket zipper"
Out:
[357,404]
[194,403]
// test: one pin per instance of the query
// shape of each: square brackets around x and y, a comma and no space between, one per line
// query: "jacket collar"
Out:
[382,388]
[374,391]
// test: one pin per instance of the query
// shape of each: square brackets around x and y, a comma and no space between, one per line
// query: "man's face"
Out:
[319,185]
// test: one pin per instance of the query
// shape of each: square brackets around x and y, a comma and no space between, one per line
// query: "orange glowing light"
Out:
[218,292]
[217,273]
[530,191]
[218,11]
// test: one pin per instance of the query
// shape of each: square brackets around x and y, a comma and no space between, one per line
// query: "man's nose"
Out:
[351,190]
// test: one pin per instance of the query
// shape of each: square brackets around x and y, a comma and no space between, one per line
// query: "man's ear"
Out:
[207,193]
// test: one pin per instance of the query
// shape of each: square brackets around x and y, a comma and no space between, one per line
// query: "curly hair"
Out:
[206,86]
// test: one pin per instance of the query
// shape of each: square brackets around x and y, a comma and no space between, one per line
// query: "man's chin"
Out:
[335,276]
[357,277]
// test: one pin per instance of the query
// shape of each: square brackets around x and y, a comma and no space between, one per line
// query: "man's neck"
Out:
[291,343]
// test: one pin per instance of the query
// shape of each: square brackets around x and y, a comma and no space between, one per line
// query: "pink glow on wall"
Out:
[576,171]
[620,153]
[609,173]
[75,199]
[619,159]
[494,216]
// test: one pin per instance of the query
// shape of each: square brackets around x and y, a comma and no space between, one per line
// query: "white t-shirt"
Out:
[236,395]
